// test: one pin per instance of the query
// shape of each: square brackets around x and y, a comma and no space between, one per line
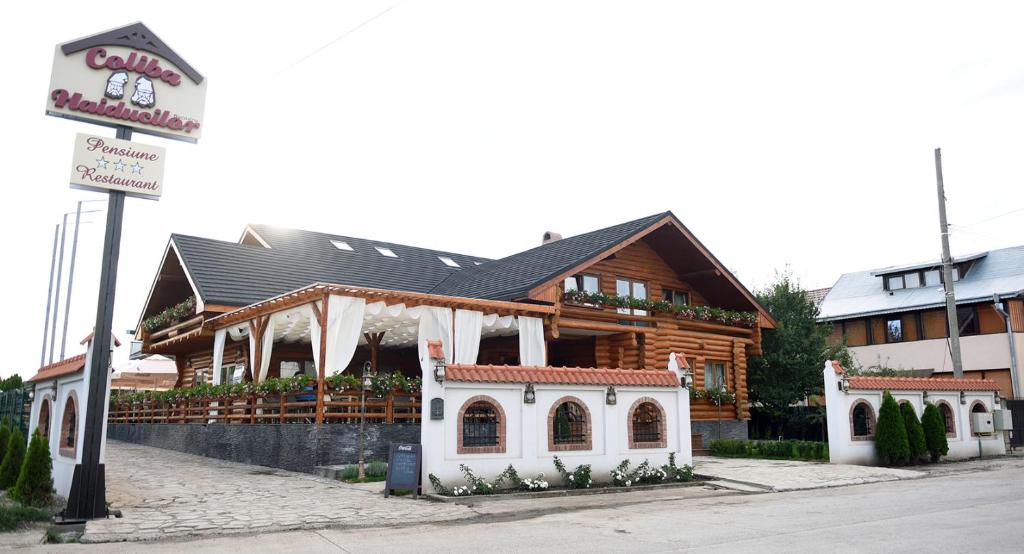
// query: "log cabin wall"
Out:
[202,360]
[661,335]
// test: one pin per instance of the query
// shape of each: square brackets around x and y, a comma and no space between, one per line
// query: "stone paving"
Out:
[166,494]
[787,475]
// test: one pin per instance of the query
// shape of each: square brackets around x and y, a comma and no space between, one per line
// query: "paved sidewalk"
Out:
[167,494]
[787,475]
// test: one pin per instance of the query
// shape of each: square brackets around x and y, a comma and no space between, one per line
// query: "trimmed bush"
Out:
[377,469]
[13,458]
[915,432]
[35,480]
[780,450]
[934,432]
[891,442]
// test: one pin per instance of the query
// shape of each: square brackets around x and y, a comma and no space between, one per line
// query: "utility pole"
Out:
[947,274]
[49,296]
[71,273]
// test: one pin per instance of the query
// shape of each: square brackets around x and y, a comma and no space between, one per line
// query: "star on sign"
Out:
[101,163]
[137,168]
[119,165]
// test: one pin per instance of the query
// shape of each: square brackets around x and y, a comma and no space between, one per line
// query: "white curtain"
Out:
[314,334]
[344,325]
[435,324]
[468,326]
[266,348]
[531,341]
[218,353]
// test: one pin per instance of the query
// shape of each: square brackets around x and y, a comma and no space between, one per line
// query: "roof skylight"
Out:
[386,252]
[448,261]
[341,245]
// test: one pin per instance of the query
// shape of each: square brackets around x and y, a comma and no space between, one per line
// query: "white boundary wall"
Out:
[526,430]
[57,391]
[843,449]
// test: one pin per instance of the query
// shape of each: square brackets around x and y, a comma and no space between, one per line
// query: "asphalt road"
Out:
[970,512]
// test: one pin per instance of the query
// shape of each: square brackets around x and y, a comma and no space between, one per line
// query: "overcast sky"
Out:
[789,134]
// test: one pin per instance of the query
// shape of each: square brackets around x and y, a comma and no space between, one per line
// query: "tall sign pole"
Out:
[947,274]
[56,300]
[49,296]
[129,79]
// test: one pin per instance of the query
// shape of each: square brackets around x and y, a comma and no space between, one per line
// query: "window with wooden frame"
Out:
[894,329]
[583,282]
[948,419]
[714,375]
[569,425]
[967,320]
[481,426]
[676,297]
[43,423]
[862,421]
[68,446]
[634,289]
[647,426]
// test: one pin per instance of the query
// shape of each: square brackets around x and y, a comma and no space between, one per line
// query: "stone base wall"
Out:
[708,430]
[291,446]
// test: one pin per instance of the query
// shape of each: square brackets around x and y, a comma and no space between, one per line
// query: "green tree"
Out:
[934,431]
[11,383]
[35,479]
[891,442]
[5,435]
[13,458]
[794,353]
[915,432]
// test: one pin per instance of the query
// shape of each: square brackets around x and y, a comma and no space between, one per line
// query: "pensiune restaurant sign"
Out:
[127,77]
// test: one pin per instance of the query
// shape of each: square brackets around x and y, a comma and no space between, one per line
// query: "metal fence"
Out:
[15,406]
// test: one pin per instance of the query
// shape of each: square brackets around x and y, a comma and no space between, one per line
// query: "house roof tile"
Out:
[59,369]
[921,383]
[561,375]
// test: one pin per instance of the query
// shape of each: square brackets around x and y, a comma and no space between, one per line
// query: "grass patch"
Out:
[375,471]
[14,516]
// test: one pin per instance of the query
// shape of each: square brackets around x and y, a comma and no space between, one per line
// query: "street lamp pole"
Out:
[362,420]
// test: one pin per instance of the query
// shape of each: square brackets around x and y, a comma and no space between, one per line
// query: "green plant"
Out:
[934,427]
[698,313]
[438,486]
[578,479]
[341,381]
[376,469]
[915,432]
[5,436]
[171,314]
[676,473]
[891,442]
[34,486]
[350,473]
[644,473]
[11,465]
[715,396]
[13,516]
[785,450]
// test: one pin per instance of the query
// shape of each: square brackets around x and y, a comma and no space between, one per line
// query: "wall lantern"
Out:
[436,352]
[367,382]
[924,395]
[686,379]
[844,383]
[439,370]
[963,397]
[31,393]
[609,397]
[529,395]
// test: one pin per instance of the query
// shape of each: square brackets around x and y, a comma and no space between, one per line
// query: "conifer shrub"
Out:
[934,432]
[891,443]
[34,486]
[915,432]
[15,455]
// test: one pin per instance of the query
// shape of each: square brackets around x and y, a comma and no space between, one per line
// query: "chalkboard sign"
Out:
[404,462]
[436,408]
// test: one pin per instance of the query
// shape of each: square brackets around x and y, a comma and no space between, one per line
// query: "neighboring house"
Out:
[249,284]
[816,295]
[154,372]
[895,317]
[60,394]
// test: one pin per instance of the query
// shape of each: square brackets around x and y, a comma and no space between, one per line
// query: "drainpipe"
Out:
[1014,380]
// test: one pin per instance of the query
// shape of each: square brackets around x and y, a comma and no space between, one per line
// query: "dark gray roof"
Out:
[240,274]
[862,294]
[510,278]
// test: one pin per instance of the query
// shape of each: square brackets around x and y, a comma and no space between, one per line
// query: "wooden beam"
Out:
[604,327]
[321,316]
[701,273]
[187,323]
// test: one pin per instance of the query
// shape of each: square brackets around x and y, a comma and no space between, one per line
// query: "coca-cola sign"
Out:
[127,77]
[104,164]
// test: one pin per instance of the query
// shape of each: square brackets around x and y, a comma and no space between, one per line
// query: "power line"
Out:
[336,39]
[1011,212]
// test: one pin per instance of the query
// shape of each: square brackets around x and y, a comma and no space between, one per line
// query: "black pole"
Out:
[71,280]
[49,296]
[87,499]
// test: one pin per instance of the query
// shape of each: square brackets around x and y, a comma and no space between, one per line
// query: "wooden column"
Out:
[257,328]
[321,316]
[373,341]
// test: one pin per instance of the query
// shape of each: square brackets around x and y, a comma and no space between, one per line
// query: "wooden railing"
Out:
[292,407]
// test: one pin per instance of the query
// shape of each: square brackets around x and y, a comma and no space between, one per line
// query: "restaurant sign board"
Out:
[104,164]
[127,77]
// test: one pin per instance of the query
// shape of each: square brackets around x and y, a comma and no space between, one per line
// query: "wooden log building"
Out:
[575,285]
